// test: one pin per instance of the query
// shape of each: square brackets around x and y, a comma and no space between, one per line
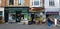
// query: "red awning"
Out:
[36,9]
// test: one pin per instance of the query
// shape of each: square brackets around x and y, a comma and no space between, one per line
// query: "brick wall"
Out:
[26,3]
[6,2]
[2,3]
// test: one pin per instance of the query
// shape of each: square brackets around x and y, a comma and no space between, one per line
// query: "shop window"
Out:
[0,2]
[0,15]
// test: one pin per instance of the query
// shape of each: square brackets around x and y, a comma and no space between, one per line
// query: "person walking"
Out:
[49,22]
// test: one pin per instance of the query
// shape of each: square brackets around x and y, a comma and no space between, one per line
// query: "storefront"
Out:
[53,14]
[16,13]
[36,13]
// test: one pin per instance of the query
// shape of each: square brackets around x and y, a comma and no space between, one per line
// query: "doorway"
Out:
[32,16]
[18,16]
[6,15]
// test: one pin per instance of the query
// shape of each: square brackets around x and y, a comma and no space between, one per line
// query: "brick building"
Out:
[15,7]
[25,8]
[2,2]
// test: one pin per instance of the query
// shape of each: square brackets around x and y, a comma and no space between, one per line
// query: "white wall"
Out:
[52,8]
[47,4]
[2,9]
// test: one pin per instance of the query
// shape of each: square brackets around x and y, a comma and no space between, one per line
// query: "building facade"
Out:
[2,9]
[36,10]
[37,6]
[52,8]
[16,9]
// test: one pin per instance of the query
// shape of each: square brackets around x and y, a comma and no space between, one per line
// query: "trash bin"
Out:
[1,21]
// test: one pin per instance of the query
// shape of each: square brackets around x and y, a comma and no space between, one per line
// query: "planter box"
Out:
[25,22]
[29,22]
[1,21]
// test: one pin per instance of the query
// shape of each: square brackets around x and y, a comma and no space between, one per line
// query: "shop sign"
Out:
[52,12]
[38,9]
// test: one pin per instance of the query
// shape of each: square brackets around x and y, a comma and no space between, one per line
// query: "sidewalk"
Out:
[19,26]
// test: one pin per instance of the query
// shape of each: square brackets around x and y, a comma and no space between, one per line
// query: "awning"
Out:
[36,9]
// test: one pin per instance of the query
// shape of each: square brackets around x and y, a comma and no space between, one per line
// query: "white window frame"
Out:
[53,1]
[35,5]
[21,3]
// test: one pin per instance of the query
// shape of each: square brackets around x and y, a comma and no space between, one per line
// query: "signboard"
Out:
[36,9]
[52,12]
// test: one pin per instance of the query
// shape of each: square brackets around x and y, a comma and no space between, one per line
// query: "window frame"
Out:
[51,3]
[36,2]
[12,1]
[21,2]
[32,4]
